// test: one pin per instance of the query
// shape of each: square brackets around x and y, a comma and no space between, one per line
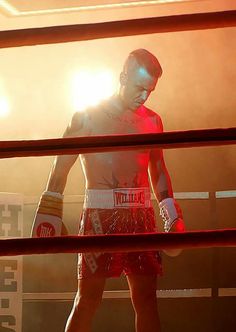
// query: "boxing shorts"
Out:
[118,211]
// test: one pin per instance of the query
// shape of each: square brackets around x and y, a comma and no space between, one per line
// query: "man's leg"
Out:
[143,296]
[88,298]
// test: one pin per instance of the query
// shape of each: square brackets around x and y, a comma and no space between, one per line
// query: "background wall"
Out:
[196,91]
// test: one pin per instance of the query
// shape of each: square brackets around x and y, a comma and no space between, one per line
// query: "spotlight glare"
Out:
[91,87]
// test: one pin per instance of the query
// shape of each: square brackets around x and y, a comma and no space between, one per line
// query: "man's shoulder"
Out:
[78,119]
[78,123]
[155,118]
[152,114]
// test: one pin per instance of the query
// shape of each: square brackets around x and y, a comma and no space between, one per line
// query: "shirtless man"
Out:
[117,196]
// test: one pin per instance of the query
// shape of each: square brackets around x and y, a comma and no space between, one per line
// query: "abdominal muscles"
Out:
[123,169]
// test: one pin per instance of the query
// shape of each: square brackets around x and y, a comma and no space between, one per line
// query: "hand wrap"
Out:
[170,212]
[48,218]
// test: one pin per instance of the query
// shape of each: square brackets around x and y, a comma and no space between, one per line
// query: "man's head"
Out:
[138,78]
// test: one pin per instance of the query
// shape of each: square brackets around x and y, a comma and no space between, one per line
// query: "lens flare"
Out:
[4,107]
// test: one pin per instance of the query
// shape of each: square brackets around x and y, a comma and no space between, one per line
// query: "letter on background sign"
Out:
[11,225]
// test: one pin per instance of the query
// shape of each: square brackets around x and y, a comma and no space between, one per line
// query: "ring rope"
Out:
[118,243]
[194,138]
[81,32]
[76,145]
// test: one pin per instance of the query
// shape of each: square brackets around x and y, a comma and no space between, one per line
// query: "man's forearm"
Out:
[163,188]
[56,183]
[163,195]
[58,175]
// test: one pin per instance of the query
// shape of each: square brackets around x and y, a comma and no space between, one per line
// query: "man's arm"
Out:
[63,163]
[162,188]
[48,217]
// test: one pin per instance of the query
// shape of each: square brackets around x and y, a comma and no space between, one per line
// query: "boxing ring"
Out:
[166,140]
[107,243]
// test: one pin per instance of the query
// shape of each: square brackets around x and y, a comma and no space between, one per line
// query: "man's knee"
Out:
[144,296]
[87,302]
[143,299]
[89,294]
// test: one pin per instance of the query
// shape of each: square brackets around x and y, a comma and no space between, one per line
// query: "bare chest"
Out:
[110,124]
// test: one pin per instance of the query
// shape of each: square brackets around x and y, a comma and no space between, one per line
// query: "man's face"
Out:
[136,87]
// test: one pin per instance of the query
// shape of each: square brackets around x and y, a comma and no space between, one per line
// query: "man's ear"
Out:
[123,78]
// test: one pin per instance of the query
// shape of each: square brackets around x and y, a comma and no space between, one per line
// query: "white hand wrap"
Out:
[48,219]
[170,212]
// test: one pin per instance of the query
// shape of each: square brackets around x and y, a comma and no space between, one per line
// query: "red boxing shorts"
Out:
[118,211]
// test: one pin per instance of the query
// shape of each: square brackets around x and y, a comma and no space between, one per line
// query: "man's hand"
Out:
[178,226]
[171,213]
[172,217]
[48,217]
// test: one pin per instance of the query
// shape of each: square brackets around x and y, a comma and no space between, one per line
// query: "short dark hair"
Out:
[147,60]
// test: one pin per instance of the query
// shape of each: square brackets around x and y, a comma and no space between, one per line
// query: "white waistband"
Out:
[117,198]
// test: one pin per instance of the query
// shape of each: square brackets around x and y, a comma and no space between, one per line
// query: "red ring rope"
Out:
[79,32]
[75,145]
[118,243]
